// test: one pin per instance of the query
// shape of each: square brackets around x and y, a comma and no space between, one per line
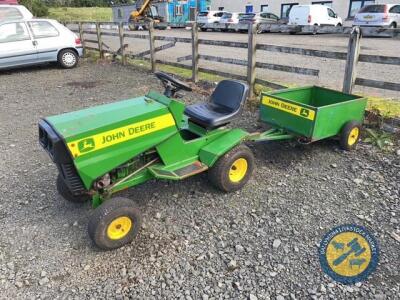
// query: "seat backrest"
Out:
[231,94]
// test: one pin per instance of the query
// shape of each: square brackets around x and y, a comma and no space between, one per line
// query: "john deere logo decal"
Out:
[304,112]
[86,145]
[348,253]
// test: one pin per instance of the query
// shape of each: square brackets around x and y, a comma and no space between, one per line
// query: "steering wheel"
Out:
[171,84]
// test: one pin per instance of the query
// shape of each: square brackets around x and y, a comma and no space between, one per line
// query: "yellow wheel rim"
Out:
[119,228]
[353,136]
[238,170]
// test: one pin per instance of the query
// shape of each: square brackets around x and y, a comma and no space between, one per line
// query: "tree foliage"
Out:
[37,8]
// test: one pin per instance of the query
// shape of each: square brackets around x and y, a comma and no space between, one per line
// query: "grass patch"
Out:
[386,107]
[64,14]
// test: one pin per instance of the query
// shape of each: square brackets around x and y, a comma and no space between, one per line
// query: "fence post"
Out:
[80,28]
[251,59]
[152,46]
[353,52]
[195,53]
[99,40]
[121,41]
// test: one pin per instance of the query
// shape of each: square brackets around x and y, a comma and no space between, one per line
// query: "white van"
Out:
[316,14]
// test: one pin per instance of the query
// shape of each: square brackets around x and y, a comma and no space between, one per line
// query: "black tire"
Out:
[101,223]
[350,135]
[203,29]
[65,192]
[68,58]
[393,25]
[219,173]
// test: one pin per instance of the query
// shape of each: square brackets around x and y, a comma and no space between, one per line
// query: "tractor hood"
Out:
[101,138]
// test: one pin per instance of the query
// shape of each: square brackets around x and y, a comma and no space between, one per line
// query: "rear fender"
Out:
[213,151]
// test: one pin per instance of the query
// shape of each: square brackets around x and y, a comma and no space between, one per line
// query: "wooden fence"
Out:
[352,57]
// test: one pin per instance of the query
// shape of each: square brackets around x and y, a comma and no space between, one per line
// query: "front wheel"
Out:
[68,58]
[65,192]
[233,170]
[114,223]
[350,135]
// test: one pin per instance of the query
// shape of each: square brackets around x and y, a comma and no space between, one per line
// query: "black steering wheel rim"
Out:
[167,79]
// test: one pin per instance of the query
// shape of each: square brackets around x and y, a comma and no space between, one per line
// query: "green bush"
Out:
[37,7]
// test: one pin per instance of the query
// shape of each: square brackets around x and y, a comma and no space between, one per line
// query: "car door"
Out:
[16,45]
[332,17]
[395,12]
[47,39]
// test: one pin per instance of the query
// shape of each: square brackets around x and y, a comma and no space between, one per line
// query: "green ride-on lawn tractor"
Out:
[102,150]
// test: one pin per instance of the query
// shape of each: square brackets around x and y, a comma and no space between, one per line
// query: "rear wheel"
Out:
[233,170]
[65,192]
[393,25]
[68,58]
[115,223]
[350,135]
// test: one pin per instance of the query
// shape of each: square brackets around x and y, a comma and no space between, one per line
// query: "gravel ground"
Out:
[196,242]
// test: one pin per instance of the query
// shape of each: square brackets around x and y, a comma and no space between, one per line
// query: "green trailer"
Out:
[310,114]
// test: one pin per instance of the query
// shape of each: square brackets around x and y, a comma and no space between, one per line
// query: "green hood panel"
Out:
[73,125]
[104,137]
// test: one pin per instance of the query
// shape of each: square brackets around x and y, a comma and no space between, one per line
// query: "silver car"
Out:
[380,15]
[35,41]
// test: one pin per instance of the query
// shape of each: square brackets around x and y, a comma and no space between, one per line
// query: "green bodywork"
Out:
[153,128]
[313,113]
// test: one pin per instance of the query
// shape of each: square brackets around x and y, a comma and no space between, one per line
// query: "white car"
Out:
[35,41]
[230,18]
[209,17]
[14,12]
[315,14]
[382,15]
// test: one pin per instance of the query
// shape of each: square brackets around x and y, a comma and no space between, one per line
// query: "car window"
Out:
[395,9]
[331,13]
[376,8]
[10,14]
[43,29]
[264,15]
[226,16]
[203,14]
[13,32]
[219,14]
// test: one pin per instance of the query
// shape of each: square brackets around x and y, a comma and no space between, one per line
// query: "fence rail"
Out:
[352,56]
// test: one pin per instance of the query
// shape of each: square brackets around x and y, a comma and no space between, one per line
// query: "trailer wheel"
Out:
[232,171]
[65,192]
[350,135]
[114,223]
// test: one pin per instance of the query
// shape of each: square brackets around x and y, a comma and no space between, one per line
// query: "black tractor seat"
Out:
[225,104]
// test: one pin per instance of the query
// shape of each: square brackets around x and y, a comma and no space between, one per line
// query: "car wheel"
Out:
[393,25]
[68,58]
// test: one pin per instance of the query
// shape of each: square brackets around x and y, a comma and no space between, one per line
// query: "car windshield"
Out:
[247,16]
[203,14]
[373,9]
[226,16]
